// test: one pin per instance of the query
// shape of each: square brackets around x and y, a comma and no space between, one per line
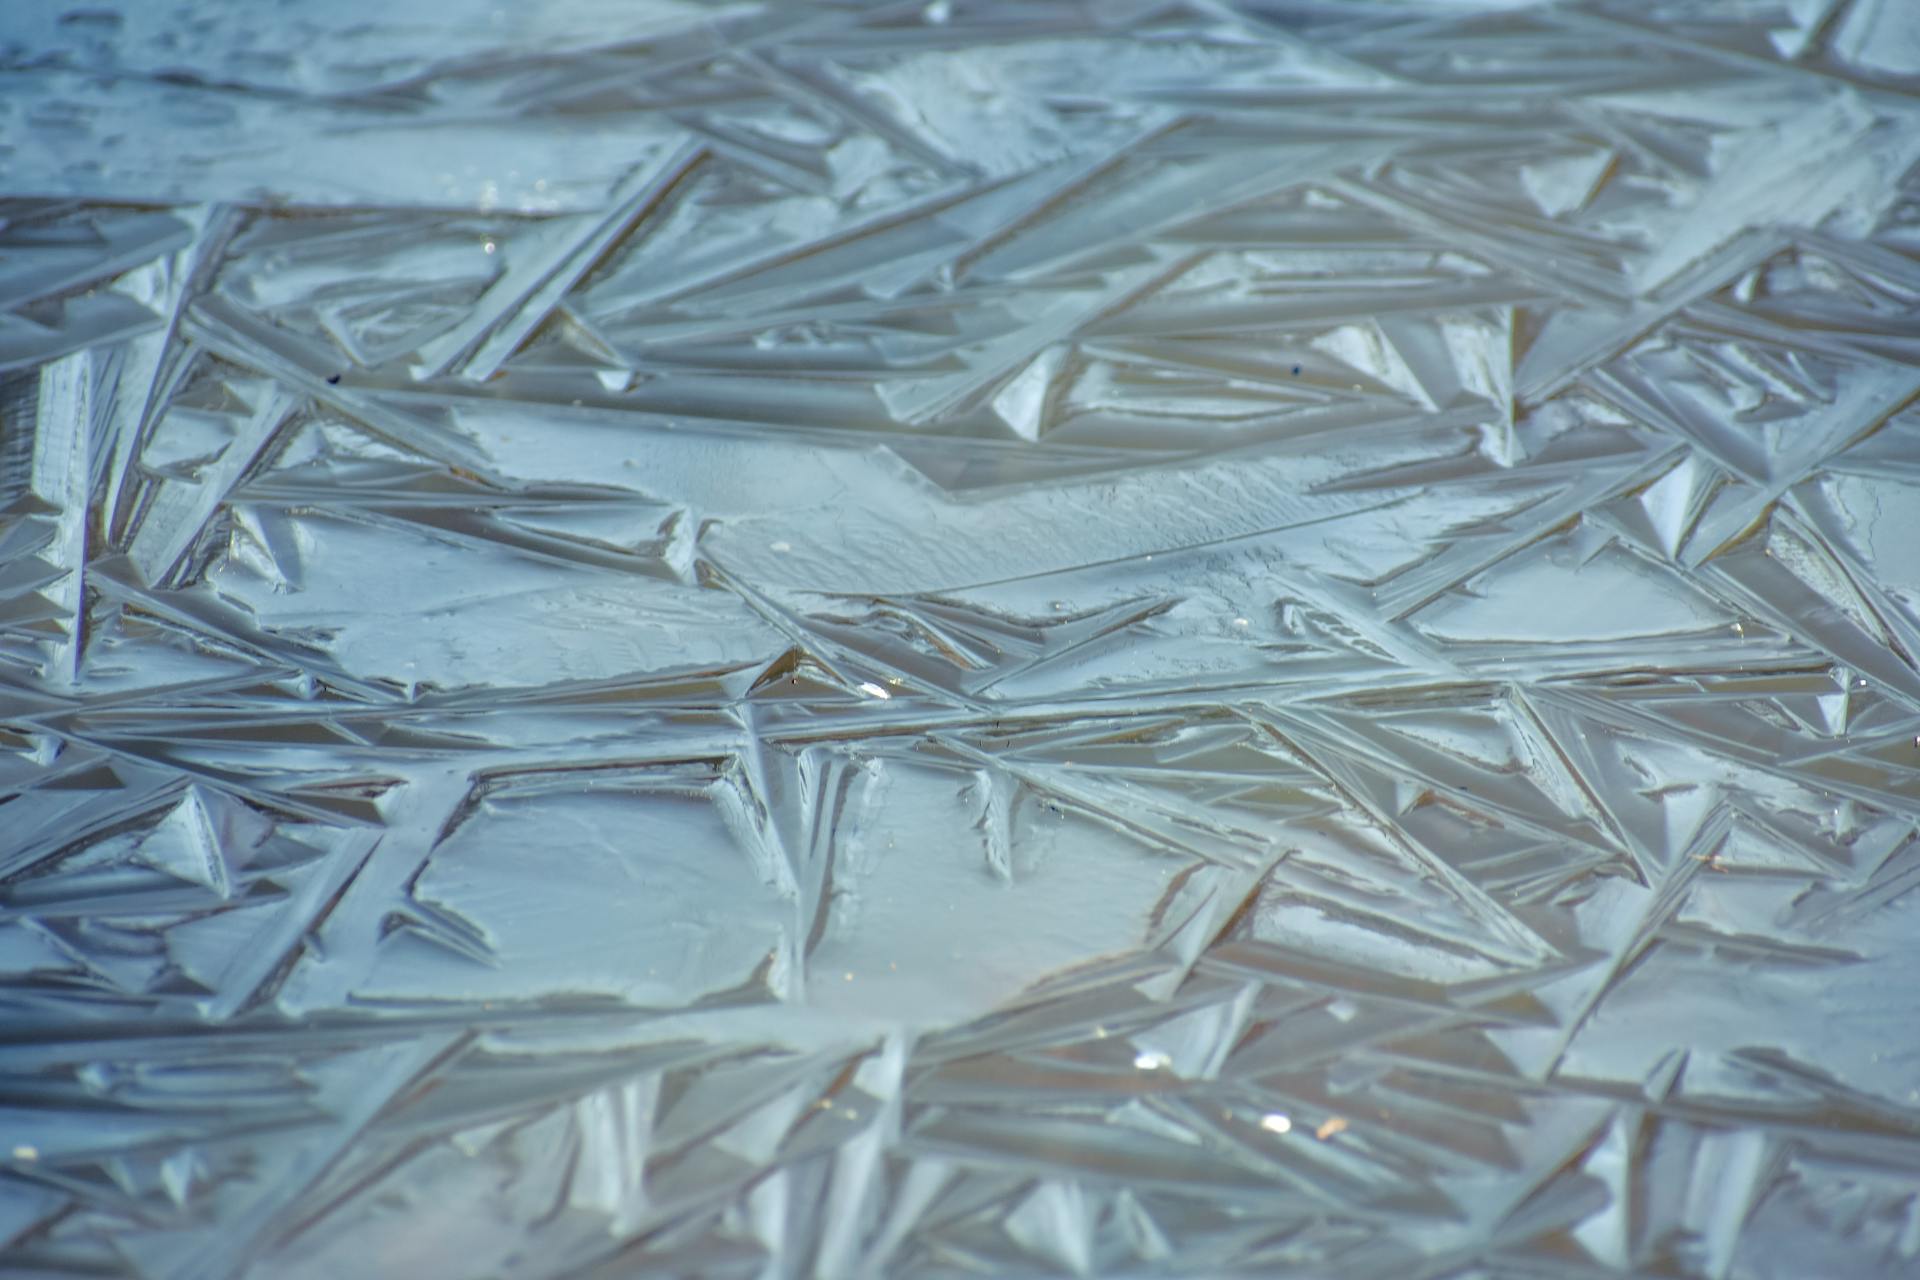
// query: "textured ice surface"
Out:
[830,638]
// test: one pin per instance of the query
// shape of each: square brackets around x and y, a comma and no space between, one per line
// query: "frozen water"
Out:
[847,639]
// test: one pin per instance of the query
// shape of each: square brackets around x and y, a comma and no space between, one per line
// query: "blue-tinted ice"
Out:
[821,638]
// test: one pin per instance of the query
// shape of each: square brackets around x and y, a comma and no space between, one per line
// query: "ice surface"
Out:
[846,639]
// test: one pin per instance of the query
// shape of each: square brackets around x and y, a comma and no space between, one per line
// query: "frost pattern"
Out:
[1228,637]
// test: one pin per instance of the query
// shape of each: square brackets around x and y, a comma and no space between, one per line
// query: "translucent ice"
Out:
[1240,637]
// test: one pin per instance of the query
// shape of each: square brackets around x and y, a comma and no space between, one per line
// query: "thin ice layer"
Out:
[959,638]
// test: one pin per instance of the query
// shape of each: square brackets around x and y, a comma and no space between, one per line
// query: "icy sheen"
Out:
[840,639]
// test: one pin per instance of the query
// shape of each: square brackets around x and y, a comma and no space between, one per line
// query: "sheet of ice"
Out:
[835,639]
